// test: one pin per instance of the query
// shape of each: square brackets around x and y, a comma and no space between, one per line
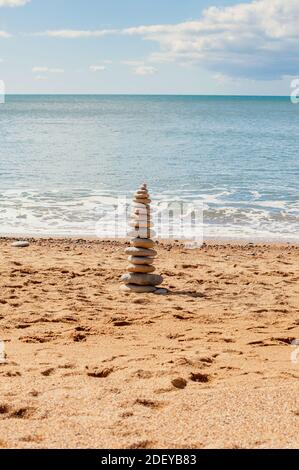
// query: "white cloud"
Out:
[57,70]
[139,67]
[132,63]
[145,70]
[40,78]
[4,34]
[76,34]
[97,68]
[258,39]
[13,3]
[47,70]
[222,78]
[39,69]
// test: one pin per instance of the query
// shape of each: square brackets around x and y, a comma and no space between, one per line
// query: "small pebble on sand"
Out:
[20,244]
[179,382]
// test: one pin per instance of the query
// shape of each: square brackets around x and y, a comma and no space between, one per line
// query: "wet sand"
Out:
[206,366]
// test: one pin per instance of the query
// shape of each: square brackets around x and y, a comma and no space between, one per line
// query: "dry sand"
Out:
[90,367]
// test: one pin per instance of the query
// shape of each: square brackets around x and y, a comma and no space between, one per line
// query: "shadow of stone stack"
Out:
[140,277]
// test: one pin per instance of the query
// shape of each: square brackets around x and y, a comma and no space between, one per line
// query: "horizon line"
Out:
[148,94]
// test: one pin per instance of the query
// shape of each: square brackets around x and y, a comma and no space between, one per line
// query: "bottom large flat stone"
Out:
[142,279]
[138,289]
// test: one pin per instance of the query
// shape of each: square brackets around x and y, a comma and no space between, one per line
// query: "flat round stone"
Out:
[143,252]
[140,268]
[138,289]
[142,279]
[141,260]
[142,243]
[142,233]
[143,213]
[141,195]
[145,208]
[20,244]
[140,216]
[142,201]
[140,224]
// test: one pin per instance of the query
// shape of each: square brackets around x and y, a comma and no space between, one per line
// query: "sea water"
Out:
[65,161]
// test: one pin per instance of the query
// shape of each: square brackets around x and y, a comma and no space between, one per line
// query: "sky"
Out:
[149,46]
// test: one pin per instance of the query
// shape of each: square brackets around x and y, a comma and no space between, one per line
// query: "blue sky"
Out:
[149,46]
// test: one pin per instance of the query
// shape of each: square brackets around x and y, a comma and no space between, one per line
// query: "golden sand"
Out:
[208,365]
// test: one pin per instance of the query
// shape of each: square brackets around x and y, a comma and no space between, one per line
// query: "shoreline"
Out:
[177,242]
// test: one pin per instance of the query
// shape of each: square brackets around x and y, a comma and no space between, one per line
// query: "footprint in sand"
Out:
[32,438]
[78,337]
[22,326]
[10,373]
[228,340]
[6,411]
[121,323]
[142,374]
[99,373]
[199,377]
[257,343]
[140,301]
[182,317]
[23,413]
[141,445]
[154,405]
[48,372]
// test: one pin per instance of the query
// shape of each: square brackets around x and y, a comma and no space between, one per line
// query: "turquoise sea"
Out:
[65,159]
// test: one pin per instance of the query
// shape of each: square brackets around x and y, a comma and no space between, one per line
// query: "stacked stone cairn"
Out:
[140,277]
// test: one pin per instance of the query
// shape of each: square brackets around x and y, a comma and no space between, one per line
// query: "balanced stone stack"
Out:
[140,277]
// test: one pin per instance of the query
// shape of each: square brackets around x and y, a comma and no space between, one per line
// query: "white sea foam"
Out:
[91,213]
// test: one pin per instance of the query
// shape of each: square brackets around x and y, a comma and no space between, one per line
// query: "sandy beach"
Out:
[206,366]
